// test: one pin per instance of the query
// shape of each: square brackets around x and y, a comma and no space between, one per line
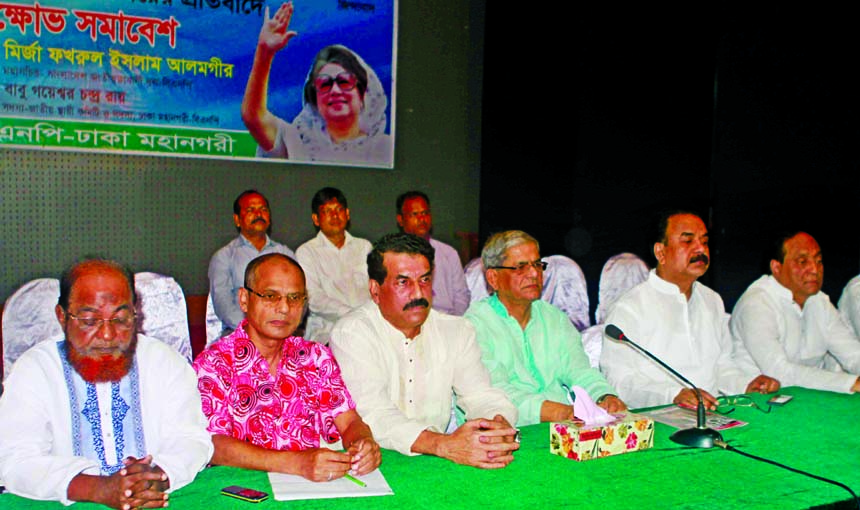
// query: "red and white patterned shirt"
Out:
[241,399]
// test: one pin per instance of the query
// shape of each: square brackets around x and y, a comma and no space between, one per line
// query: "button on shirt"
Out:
[227,276]
[404,386]
[791,343]
[336,281]
[690,336]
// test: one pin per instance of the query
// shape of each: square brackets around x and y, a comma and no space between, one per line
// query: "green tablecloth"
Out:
[817,432]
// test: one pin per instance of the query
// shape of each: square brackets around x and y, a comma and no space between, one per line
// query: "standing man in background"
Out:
[450,293]
[252,218]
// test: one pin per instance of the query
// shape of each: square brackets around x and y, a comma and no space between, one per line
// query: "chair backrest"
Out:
[165,315]
[475,280]
[592,343]
[621,273]
[29,318]
[563,286]
[214,326]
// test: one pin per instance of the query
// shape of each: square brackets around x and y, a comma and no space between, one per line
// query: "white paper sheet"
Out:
[290,487]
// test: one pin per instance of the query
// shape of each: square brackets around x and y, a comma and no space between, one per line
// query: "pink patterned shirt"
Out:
[241,399]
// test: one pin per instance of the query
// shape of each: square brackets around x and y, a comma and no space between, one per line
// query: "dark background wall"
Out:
[595,118]
[169,215]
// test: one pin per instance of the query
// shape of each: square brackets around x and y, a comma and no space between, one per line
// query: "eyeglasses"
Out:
[345,81]
[522,267]
[727,403]
[274,299]
[122,322]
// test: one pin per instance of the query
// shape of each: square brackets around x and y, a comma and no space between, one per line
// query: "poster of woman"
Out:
[310,81]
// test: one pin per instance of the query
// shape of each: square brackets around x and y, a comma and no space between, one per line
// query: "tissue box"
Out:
[629,432]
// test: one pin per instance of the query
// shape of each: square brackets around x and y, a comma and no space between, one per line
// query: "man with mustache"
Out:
[335,265]
[791,328]
[402,361]
[270,396]
[102,414]
[529,346]
[252,218]
[680,321]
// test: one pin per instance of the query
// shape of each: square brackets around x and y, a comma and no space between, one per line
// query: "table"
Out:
[817,432]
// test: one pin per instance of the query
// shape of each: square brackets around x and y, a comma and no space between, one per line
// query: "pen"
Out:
[354,480]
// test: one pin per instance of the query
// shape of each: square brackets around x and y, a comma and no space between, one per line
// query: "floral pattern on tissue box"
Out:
[629,432]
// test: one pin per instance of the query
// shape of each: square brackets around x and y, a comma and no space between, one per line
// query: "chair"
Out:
[621,273]
[29,318]
[162,305]
[475,281]
[592,344]
[214,326]
[563,286]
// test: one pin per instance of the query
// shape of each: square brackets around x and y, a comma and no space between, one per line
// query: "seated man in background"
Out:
[135,431]
[227,267]
[529,346]
[681,322]
[269,396]
[450,292]
[791,328]
[403,361]
[335,265]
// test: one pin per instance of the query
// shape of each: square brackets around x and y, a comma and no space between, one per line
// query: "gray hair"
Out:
[498,244]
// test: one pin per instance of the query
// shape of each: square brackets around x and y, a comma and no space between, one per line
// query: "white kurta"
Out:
[36,451]
[792,344]
[402,387]
[337,281]
[690,336]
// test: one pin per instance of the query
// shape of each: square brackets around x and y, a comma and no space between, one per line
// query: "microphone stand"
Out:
[701,436]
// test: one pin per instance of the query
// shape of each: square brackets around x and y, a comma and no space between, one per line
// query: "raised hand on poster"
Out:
[275,33]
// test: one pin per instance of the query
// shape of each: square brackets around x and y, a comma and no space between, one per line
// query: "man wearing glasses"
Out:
[103,414]
[269,396]
[403,361]
[529,346]
[681,322]
[253,220]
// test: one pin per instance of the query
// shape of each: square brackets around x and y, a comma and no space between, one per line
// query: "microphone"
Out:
[701,436]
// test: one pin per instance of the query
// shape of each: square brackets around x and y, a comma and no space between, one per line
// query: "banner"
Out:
[309,81]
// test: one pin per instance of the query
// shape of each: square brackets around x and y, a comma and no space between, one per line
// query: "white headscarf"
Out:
[311,126]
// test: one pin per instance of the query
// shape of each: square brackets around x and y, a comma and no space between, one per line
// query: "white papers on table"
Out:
[682,418]
[290,487]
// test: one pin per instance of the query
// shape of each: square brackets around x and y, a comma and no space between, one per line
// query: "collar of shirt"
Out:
[326,242]
[775,289]
[497,306]
[393,334]
[670,288]
[245,242]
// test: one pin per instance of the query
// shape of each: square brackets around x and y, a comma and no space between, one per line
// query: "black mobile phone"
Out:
[779,400]
[244,493]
